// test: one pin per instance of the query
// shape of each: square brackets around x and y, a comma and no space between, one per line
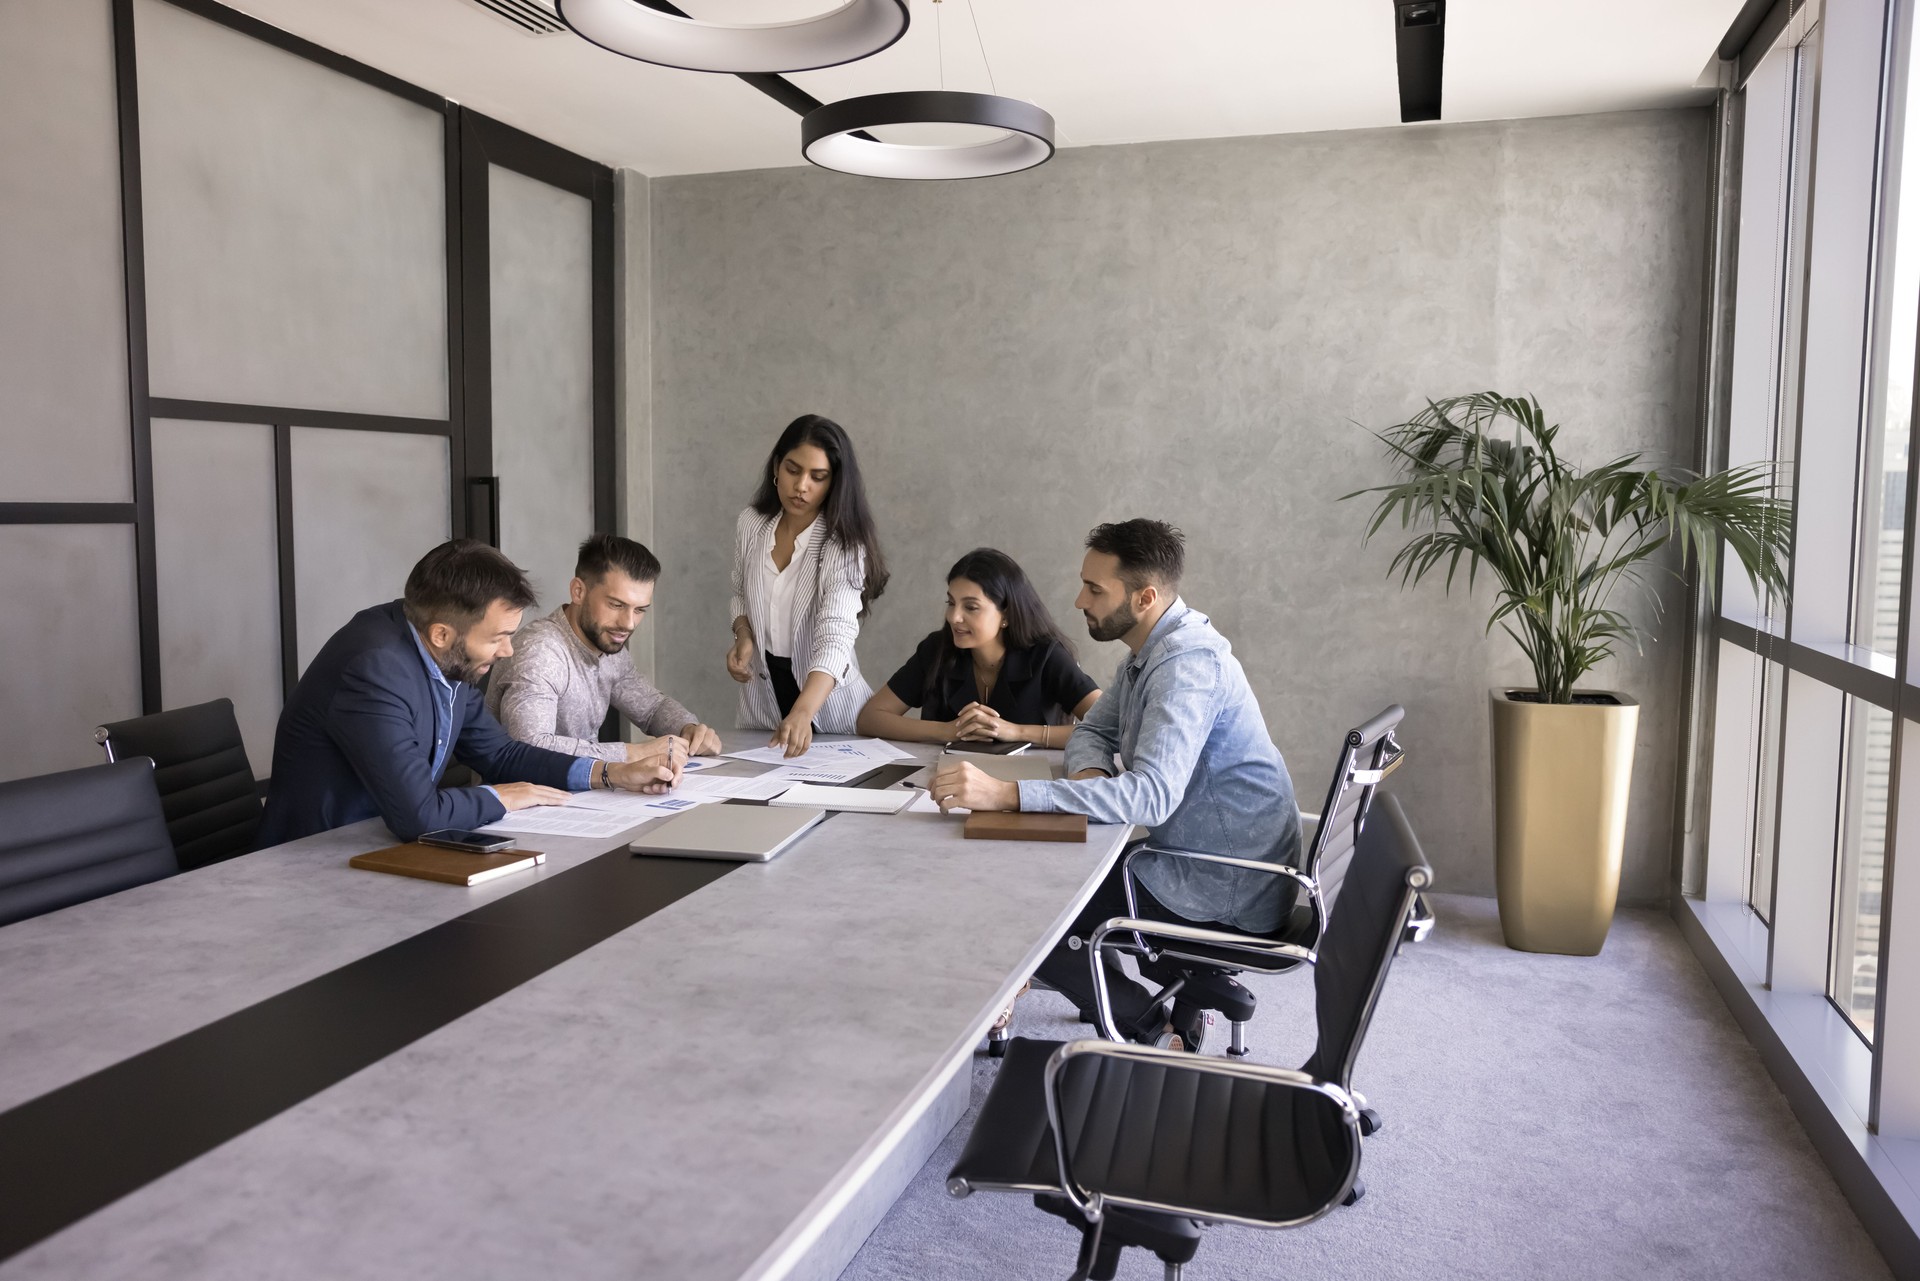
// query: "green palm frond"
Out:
[1482,487]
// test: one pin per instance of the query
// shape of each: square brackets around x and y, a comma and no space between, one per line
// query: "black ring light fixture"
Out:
[660,34]
[827,135]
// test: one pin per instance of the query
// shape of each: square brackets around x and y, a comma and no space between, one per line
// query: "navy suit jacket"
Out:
[356,740]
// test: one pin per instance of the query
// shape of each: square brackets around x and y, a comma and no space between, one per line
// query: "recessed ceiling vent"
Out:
[529,17]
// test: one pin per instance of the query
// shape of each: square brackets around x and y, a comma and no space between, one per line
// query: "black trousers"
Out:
[786,691]
[1068,970]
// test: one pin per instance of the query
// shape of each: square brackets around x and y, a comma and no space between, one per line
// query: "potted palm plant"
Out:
[1483,485]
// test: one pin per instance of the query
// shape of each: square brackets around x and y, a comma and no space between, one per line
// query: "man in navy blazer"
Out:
[390,699]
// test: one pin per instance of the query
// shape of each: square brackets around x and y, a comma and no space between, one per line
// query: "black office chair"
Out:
[69,837]
[200,766]
[1196,968]
[1137,1146]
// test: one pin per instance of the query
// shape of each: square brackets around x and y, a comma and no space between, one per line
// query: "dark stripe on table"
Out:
[87,1144]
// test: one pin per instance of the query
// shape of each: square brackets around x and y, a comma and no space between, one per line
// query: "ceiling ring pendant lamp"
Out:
[828,135]
[666,37]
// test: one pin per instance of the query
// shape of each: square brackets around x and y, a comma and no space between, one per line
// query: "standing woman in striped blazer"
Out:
[806,567]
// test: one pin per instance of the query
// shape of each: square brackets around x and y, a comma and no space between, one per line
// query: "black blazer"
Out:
[356,740]
[1033,683]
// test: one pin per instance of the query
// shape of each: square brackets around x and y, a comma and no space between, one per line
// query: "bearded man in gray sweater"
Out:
[568,668]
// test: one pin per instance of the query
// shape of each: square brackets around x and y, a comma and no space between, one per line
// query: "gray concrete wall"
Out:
[1200,331]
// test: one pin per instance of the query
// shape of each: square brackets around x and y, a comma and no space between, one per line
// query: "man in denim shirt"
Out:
[1195,765]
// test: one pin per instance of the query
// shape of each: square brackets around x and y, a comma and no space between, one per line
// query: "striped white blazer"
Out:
[826,623]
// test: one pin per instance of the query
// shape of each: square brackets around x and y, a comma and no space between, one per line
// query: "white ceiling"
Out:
[1110,71]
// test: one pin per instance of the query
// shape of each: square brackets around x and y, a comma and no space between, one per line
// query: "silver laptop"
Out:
[740,833]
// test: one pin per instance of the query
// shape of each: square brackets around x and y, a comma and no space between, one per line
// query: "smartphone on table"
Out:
[471,842]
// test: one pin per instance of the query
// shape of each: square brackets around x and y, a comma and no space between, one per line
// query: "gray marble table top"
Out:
[682,1100]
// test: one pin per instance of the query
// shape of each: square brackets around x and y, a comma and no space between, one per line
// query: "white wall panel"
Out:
[217,546]
[295,227]
[541,265]
[366,506]
[69,628]
[63,325]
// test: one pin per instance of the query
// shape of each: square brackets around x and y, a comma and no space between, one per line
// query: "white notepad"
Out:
[860,800]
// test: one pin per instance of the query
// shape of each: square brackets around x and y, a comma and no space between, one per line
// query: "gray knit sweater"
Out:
[555,690]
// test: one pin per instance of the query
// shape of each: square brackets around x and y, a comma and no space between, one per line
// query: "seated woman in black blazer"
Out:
[999,671]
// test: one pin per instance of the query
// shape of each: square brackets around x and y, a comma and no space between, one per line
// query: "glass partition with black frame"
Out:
[315,366]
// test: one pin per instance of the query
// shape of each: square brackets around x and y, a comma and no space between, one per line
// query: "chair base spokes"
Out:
[1171,1237]
[1198,994]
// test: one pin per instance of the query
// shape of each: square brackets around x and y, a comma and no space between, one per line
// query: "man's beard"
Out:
[463,666]
[1114,625]
[597,637]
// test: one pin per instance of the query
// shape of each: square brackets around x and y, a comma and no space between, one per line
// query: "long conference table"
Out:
[611,1066]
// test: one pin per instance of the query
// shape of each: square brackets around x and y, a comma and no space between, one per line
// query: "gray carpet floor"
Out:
[1546,1117]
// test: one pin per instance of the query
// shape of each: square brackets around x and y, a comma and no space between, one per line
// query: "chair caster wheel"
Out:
[1370,1122]
[1359,1190]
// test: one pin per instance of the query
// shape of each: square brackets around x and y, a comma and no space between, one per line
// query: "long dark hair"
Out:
[1003,582]
[846,513]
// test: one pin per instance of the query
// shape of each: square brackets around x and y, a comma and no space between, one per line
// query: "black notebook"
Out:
[987,749]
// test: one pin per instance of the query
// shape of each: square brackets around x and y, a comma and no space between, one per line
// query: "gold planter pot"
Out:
[1561,773]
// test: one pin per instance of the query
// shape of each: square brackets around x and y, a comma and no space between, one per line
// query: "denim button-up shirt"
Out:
[1198,769]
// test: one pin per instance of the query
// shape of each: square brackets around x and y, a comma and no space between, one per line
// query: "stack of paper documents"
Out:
[595,814]
[860,800]
[727,787]
[812,774]
[828,762]
[566,820]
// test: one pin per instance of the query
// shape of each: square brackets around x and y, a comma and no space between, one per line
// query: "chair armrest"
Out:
[1299,878]
[1091,1204]
[1244,864]
[1168,930]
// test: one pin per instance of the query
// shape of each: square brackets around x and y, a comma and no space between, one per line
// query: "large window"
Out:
[1763,786]
[1776,110]
[1855,933]
[1885,442]
[1820,379]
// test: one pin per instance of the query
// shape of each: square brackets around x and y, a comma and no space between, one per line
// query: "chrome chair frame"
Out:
[1341,1090]
[1292,953]
[1219,938]
[1267,955]
[1092,1204]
